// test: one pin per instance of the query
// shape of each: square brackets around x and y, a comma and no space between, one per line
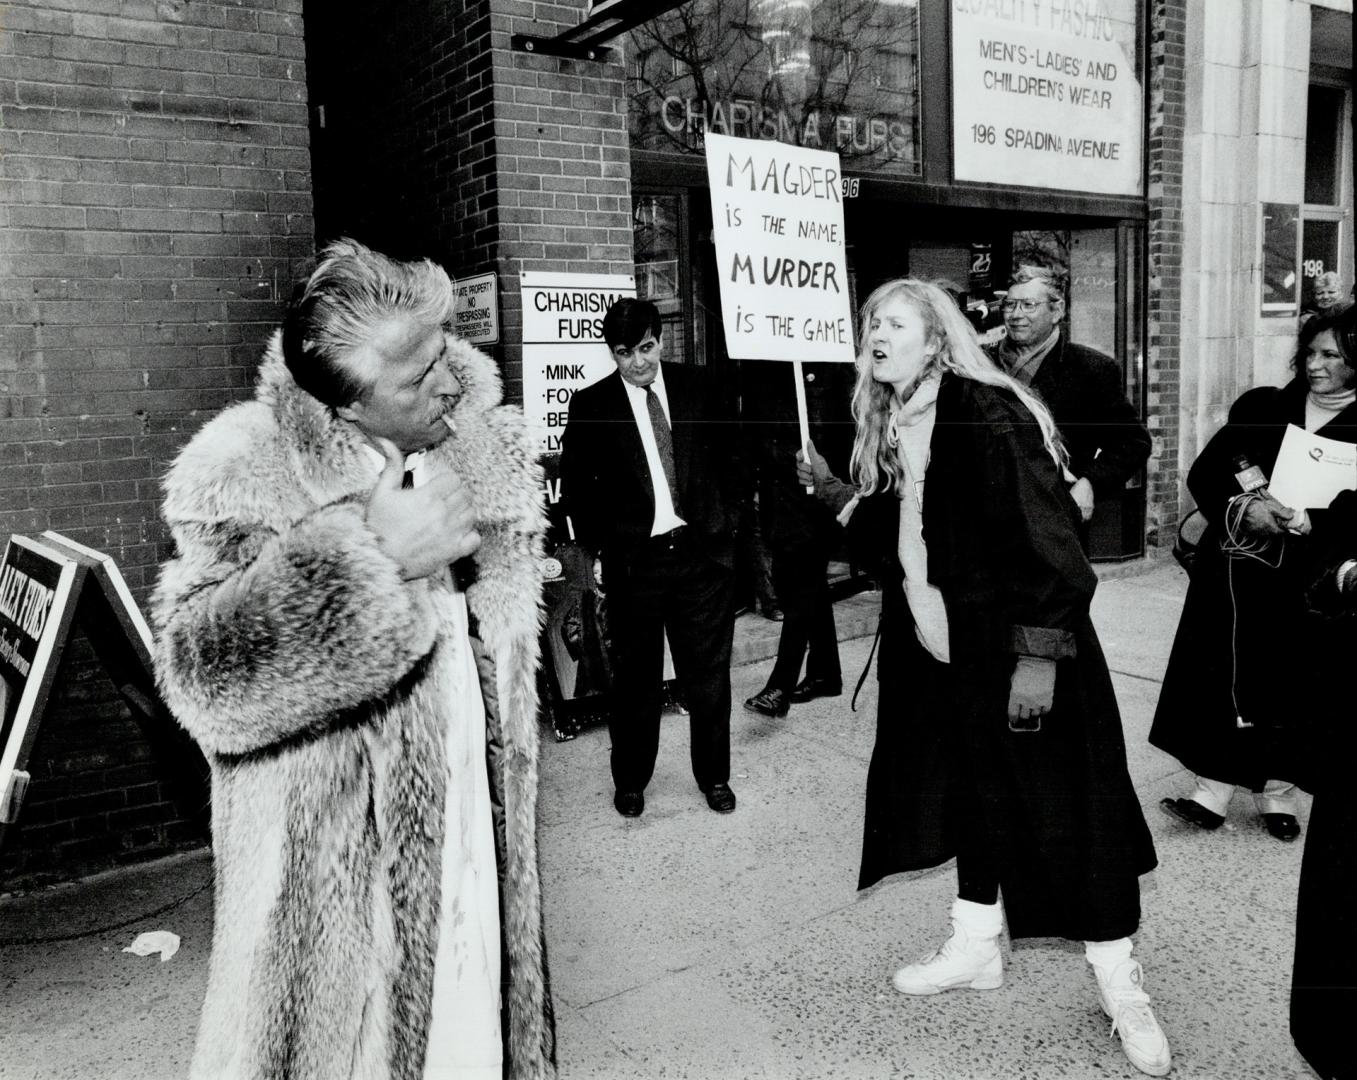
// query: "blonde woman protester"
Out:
[998,736]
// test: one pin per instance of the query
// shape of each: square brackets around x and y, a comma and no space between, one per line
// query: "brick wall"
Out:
[439,140]
[1167,119]
[155,207]
[563,159]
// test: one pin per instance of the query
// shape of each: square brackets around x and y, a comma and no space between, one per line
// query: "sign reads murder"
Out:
[563,347]
[1047,93]
[777,214]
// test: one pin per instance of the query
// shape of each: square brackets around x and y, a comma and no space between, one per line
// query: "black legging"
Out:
[976,875]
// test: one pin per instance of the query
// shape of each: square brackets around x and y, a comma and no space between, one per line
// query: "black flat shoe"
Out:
[629,803]
[1282,826]
[809,689]
[769,702]
[720,798]
[1193,812]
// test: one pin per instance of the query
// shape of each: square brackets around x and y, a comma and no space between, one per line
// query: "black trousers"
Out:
[808,631]
[670,585]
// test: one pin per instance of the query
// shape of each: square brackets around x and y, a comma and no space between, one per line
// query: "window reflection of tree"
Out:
[771,66]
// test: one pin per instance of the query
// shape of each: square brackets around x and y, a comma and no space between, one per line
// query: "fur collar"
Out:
[329,450]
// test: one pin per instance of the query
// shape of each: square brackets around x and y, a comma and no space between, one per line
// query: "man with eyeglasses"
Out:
[1107,443]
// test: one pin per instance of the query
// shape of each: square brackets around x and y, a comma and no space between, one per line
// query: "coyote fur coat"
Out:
[317,682]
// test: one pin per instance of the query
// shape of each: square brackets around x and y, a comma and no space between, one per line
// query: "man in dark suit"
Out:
[648,467]
[799,530]
[1082,387]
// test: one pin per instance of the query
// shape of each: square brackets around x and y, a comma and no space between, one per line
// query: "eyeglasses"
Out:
[1027,307]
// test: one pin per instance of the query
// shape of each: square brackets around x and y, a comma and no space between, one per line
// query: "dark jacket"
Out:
[1323,994]
[1058,804]
[1238,644]
[771,437]
[1085,392]
[606,484]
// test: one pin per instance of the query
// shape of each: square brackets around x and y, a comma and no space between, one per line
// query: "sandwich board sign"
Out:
[47,583]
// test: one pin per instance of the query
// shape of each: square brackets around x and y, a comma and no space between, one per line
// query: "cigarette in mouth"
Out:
[448,420]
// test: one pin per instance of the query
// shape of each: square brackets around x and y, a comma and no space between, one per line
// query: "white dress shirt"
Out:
[665,516]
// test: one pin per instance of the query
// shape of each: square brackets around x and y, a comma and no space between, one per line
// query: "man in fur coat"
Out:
[371,724]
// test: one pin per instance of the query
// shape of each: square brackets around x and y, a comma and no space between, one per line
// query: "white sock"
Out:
[981,920]
[1106,955]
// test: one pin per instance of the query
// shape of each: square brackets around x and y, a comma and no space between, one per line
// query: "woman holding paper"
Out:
[998,738]
[1230,709]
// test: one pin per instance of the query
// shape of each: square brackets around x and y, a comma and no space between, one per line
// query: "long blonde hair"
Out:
[874,465]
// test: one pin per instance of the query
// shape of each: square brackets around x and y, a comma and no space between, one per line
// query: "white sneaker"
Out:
[1125,1001]
[965,962]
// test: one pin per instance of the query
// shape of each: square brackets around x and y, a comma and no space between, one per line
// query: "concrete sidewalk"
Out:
[688,944]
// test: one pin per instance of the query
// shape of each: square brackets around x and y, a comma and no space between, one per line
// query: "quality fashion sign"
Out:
[1047,93]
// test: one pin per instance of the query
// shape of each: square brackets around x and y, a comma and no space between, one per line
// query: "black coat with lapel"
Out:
[1241,630]
[1003,549]
[606,484]
[1084,390]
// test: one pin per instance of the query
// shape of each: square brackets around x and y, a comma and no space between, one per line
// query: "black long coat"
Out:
[1086,393]
[1063,820]
[1323,991]
[1241,629]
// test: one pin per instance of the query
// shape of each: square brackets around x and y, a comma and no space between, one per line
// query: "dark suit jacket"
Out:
[1106,440]
[606,485]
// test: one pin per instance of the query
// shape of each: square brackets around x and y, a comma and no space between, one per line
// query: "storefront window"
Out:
[1323,142]
[657,225]
[838,75]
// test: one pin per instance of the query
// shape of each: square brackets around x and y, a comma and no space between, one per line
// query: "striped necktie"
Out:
[664,443]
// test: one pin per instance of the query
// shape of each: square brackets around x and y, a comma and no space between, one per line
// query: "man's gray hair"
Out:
[336,311]
[1052,277]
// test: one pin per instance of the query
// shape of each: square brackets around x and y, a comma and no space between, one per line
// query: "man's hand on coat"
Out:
[423,529]
[1082,494]
[1031,692]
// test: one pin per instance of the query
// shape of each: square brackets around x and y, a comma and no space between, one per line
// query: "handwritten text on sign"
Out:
[777,212]
[1046,94]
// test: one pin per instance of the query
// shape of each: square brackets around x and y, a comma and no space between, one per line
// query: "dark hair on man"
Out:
[1344,327]
[1053,278]
[336,310]
[628,321]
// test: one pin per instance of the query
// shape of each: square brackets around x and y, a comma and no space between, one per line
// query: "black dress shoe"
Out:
[769,702]
[720,798]
[1282,826]
[629,803]
[809,689]
[1193,812]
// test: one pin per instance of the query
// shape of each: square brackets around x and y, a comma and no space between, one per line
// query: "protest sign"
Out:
[777,219]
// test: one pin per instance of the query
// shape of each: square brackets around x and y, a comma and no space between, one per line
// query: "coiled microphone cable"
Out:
[1239,544]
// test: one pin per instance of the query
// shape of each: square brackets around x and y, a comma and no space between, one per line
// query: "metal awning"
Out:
[603,23]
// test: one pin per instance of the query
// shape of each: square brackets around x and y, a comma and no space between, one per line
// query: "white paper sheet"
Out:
[1311,469]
